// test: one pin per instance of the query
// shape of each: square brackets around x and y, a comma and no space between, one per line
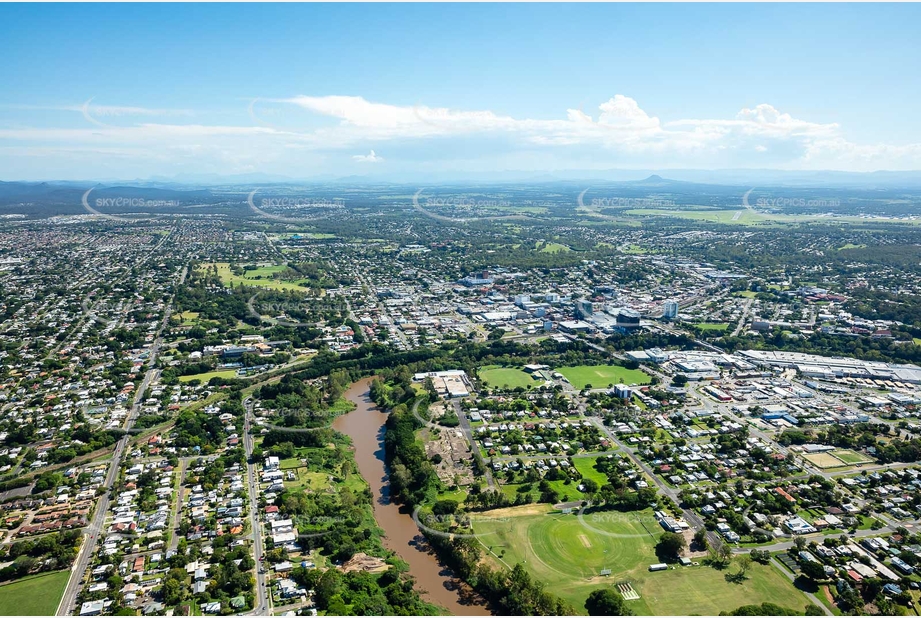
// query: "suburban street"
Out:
[96,527]
[263,598]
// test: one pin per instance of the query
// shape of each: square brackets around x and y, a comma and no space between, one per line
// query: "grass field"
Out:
[824,460]
[746,294]
[312,481]
[188,317]
[712,325]
[585,466]
[568,555]
[494,376]
[599,376]
[553,247]
[38,595]
[227,374]
[736,216]
[260,277]
[850,457]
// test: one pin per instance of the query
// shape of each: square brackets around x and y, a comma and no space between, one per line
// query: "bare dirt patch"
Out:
[456,457]
[516,511]
[364,562]
[824,460]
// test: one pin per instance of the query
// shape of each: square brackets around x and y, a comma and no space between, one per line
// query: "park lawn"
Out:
[260,277]
[312,481]
[746,294]
[188,317]
[553,247]
[712,325]
[850,457]
[290,463]
[37,595]
[735,216]
[586,467]
[566,493]
[458,495]
[599,376]
[501,377]
[227,374]
[568,552]
[824,460]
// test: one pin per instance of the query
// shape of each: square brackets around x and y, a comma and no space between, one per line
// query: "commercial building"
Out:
[584,309]
[670,310]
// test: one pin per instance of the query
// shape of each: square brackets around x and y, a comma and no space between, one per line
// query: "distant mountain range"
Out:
[730,177]
[879,192]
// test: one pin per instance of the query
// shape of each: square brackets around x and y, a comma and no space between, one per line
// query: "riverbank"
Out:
[365,425]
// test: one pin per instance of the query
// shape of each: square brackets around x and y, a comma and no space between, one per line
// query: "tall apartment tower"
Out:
[670,310]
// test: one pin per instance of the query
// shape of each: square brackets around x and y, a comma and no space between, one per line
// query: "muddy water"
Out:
[365,426]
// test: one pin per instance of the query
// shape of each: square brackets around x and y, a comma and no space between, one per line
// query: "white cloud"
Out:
[372,157]
[620,129]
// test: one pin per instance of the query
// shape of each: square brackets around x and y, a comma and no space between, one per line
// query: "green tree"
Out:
[670,545]
[700,539]
[606,602]
[813,570]
[813,610]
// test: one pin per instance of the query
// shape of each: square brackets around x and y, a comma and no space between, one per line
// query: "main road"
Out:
[263,600]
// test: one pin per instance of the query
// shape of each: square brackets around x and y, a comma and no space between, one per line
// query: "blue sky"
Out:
[132,91]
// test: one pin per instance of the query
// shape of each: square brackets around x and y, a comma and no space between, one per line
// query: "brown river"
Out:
[365,426]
